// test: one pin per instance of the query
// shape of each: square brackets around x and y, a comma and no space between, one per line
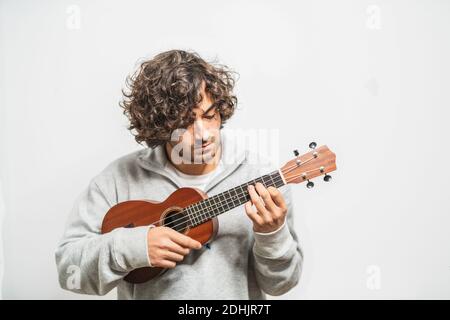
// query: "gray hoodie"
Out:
[239,263]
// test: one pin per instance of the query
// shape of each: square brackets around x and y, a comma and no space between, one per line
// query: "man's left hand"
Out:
[270,206]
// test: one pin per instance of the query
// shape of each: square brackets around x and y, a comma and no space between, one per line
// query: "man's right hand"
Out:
[166,246]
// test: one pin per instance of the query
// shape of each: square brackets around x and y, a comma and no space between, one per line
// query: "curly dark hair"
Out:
[164,90]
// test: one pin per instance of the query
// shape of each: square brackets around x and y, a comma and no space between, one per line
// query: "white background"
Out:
[368,78]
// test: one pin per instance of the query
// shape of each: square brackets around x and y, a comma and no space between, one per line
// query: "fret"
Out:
[263,181]
[230,195]
[208,207]
[246,195]
[194,215]
[203,211]
[188,213]
[197,218]
[235,197]
[214,206]
[249,183]
[223,201]
[266,183]
[244,192]
[199,212]
[280,179]
[207,213]
[220,205]
[273,182]
[241,194]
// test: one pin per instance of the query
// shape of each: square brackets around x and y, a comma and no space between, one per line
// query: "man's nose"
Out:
[201,133]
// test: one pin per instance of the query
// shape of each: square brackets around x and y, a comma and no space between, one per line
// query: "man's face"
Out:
[200,142]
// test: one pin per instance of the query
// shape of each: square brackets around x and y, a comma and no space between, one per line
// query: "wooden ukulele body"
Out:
[136,213]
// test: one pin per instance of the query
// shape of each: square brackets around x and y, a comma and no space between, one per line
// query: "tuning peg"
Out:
[327,178]
[296,153]
[313,145]
[310,184]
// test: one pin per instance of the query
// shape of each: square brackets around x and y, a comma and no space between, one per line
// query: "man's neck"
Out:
[195,168]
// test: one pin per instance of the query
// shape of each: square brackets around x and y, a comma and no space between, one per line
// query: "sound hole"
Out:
[176,220]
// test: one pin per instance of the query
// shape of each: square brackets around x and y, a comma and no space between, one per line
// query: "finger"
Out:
[277,197]
[167,264]
[183,240]
[175,247]
[259,204]
[265,195]
[252,214]
[172,256]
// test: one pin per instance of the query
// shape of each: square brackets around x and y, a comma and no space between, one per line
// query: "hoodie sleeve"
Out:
[93,263]
[278,257]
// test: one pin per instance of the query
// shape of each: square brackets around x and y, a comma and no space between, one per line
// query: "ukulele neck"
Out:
[209,208]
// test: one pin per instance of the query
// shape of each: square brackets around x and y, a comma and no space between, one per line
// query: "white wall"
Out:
[368,78]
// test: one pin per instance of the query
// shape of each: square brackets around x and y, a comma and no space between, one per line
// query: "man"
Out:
[177,104]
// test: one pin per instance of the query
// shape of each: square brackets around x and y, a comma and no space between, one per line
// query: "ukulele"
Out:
[191,212]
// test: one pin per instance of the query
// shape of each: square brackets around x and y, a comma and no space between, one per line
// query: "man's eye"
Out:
[210,117]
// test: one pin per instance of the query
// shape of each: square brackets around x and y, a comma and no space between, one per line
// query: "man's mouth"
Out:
[203,146]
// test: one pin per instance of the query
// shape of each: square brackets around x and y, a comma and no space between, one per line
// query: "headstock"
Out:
[319,161]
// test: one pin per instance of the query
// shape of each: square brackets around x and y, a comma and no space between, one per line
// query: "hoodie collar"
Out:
[232,157]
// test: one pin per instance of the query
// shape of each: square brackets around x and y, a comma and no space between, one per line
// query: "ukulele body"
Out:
[136,213]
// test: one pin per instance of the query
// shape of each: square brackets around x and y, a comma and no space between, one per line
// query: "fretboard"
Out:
[209,208]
